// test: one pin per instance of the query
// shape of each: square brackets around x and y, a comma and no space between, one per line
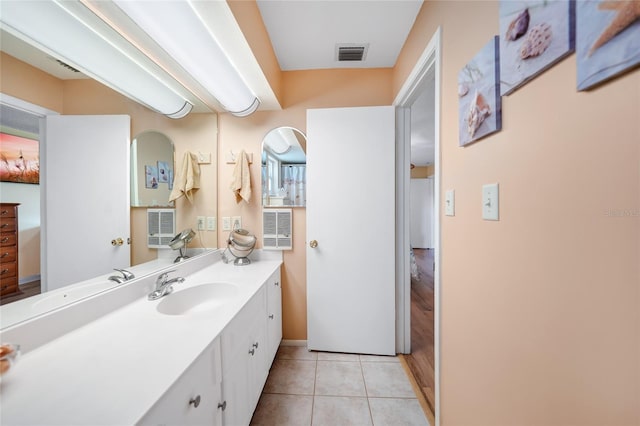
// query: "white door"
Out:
[85,168]
[421,201]
[351,216]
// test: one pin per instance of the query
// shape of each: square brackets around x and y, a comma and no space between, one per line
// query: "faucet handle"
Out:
[126,274]
[163,276]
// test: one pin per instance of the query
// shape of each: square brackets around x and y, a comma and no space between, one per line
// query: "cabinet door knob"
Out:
[271,316]
[313,244]
[117,242]
[223,405]
[252,352]
[255,345]
[195,401]
[276,283]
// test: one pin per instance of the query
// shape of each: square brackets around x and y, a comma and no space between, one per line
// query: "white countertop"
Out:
[112,370]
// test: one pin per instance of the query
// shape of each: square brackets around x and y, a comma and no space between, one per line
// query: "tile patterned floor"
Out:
[319,388]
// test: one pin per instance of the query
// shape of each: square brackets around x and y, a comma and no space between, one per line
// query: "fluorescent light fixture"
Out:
[279,141]
[179,29]
[71,33]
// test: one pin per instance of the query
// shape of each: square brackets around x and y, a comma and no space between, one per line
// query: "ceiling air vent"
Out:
[65,65]
[351,52]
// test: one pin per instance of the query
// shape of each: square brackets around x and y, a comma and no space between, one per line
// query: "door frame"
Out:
[429,62]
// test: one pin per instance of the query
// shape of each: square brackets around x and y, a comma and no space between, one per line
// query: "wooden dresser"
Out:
[9,249]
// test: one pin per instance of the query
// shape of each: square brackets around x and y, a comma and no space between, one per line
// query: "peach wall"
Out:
[540,311]
[25,82]
[301,90]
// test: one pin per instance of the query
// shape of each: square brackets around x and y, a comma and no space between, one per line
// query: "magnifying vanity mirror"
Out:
[284,168]
[151,170]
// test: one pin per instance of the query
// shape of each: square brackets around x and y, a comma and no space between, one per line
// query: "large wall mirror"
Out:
[284,168]
[151,170]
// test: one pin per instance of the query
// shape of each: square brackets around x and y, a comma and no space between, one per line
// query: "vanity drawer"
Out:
[8,254]
[8,239]
[8,224]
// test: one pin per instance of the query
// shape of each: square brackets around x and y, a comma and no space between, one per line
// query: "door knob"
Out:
[117,242]
[313,244]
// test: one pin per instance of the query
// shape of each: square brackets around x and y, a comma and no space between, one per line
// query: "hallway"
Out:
[421,361]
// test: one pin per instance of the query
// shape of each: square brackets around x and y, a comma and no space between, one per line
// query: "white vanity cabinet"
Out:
[274,315]
[195,398]
[244,360]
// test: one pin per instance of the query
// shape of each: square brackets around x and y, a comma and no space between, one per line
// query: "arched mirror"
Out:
[151,170]
[284,168]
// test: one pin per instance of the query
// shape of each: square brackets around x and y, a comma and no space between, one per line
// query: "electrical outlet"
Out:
[226,223]
[211,223]
[201,226]
[237,222]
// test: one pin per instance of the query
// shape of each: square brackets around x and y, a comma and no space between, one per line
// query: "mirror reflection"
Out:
[284,168]
[151,170]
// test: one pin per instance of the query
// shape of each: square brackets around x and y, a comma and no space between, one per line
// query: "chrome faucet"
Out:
[164,285]
[126,276]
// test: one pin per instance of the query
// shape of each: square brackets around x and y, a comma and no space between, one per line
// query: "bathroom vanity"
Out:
[199,355]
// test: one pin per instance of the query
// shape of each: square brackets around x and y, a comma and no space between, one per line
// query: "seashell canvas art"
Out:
[479,101]
[607,40]
[536,35]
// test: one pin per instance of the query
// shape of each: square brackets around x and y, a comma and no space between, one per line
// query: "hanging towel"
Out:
[187,180]
[241,181]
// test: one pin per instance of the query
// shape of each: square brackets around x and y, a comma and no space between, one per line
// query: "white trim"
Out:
[429,60]
[29,279]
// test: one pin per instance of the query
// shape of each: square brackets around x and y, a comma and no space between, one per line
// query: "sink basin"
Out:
[202,298]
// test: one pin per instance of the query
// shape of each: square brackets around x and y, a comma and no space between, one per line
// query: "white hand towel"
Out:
[187,180]
[241,181]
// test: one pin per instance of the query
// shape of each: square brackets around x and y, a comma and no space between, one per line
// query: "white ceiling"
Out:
[304,35]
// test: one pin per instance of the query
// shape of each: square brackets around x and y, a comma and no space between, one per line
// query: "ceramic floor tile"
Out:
[339,378]
[378,358]
[291,376]
[283,410]
[396,411]
[340,410]
[296,352]
[335,356]
[386,379]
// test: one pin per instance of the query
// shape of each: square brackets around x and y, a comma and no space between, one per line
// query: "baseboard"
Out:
[29,279]
[287,342]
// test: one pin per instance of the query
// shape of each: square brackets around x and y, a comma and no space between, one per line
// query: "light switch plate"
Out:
[201,225]
[236,222]
[226,223]
[211,223]
[490,202]
[450,203]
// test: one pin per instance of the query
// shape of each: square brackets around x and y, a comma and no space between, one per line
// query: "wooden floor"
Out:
[421,360]
[26,290]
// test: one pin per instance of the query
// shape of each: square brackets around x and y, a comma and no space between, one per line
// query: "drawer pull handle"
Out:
[4,271]
[255,345]
[276,283]
[3,255]
[5,239]
[4,225]
[4,212]
[271,316]
[223,405]
[252,352]
[195,401]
